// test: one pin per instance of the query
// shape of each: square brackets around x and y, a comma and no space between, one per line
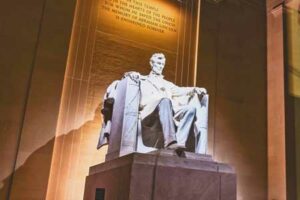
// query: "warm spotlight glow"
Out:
[108,39]
[153,22]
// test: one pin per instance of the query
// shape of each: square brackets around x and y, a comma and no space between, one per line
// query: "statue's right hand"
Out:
[135,76]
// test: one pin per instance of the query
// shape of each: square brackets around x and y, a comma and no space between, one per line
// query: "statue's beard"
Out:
[156,72]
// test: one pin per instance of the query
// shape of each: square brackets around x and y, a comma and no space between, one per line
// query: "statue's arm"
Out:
[135,76]
[183,91]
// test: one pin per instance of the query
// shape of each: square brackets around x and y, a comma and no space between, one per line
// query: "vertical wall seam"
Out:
[27,95]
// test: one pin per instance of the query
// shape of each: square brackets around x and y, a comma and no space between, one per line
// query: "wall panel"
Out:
[232,66]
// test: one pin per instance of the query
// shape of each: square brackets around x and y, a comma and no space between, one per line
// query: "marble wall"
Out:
[292,49]
[34,46]
[232,66]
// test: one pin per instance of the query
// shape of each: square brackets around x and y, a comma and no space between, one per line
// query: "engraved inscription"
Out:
[142,14]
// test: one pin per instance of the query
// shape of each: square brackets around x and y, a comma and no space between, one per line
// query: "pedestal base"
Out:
[161,175]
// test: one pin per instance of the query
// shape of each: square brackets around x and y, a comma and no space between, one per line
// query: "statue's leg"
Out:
[200,131]
[165,112]
[201,144]
[200,126]
[186,118]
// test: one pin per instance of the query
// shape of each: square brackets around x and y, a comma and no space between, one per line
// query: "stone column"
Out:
[275,102]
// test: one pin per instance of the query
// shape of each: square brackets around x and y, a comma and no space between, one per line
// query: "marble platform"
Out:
[161,175]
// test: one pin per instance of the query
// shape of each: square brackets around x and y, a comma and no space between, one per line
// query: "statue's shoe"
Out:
[175,146]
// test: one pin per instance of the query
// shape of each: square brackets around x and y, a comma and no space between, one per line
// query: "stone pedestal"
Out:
[161,175]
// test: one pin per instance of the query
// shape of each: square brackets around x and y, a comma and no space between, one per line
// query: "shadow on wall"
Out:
[29,179]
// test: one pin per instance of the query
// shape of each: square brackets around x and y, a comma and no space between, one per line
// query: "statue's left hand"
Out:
[200,90]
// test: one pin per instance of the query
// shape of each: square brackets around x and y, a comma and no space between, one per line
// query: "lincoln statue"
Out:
[178,109]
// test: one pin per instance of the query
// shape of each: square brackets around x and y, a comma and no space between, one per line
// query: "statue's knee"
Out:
[192,109]
[165,101]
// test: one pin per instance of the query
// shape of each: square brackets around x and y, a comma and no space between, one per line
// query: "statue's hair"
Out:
[159,56]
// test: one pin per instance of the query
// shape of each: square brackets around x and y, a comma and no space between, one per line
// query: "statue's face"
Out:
[158,65]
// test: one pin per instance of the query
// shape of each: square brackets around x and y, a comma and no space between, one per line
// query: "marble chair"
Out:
[126,132]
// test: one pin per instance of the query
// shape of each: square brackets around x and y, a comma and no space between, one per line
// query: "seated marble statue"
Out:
[178,109]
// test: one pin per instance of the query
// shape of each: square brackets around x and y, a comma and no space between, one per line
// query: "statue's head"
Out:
[157,62]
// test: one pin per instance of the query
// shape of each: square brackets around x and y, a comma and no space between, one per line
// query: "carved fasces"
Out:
[106,111]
